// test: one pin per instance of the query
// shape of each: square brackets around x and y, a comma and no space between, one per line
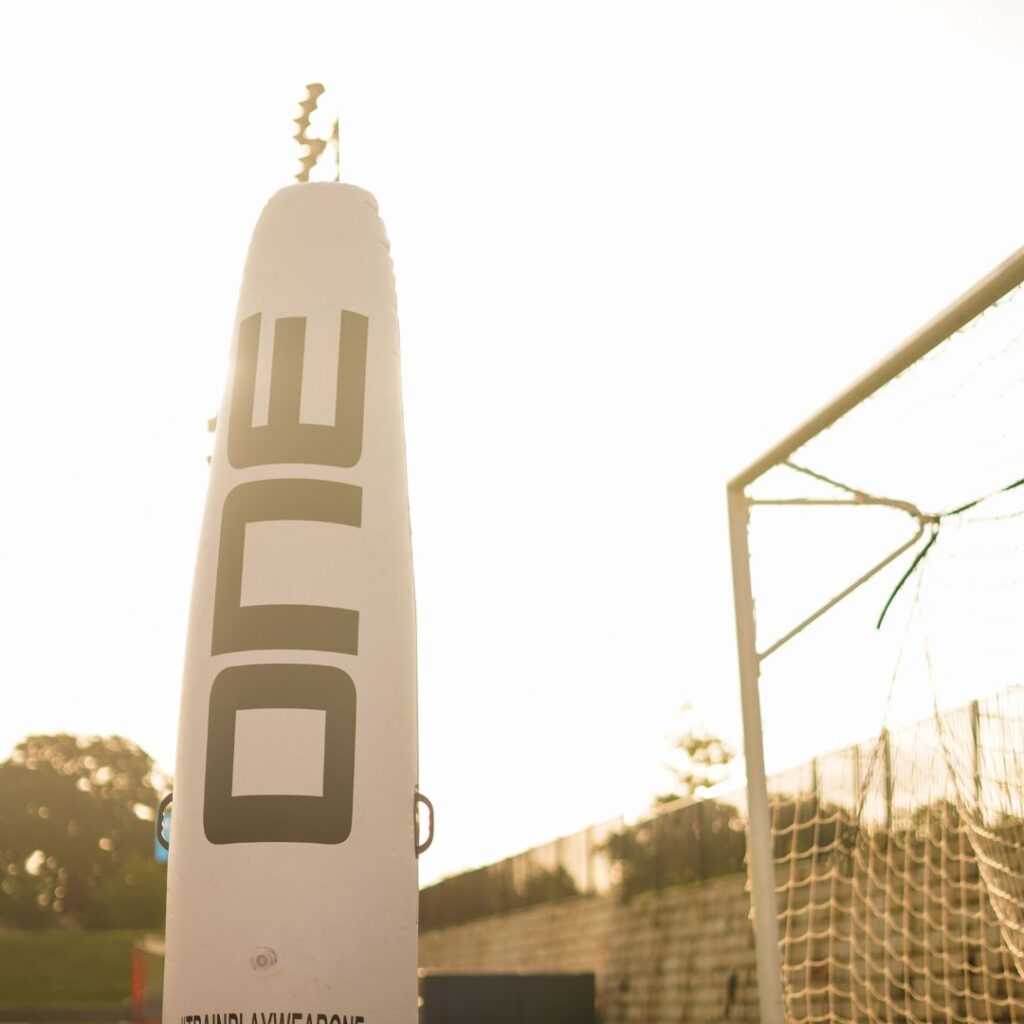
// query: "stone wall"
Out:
[683,954]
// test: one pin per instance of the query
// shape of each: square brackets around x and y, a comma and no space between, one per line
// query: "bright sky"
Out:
[634,245]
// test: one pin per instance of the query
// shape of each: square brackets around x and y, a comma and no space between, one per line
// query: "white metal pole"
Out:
[759,847]
[989,289]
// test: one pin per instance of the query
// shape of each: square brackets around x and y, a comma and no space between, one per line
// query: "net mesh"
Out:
[899,863]
[899,871]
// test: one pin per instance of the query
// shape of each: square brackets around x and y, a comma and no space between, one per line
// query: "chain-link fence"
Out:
[686,841]
[963,764]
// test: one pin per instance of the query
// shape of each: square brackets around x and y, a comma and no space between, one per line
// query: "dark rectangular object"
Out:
[507,999]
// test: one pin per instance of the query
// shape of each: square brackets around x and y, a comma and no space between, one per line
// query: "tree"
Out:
[698,840]
[490,890]
[76,833]
[690,843]
[704,756]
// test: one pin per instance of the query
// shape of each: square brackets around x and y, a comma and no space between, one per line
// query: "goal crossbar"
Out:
[958,314]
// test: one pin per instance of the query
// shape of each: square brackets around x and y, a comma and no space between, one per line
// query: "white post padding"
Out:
[292,877]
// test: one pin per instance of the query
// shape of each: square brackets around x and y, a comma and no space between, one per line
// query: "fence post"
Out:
[702,834]
[656,833]
[887,778]
[588,873]
[976,750]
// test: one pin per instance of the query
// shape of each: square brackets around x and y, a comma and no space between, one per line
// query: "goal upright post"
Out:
[759,849]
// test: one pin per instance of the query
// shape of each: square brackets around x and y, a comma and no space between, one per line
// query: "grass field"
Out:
[65,967]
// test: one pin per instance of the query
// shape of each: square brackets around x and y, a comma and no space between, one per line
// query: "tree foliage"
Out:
[698,840]
[494,889]
[76,834]
[699,759]
[691,843]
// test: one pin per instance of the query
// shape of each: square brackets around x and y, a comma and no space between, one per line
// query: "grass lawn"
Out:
[65,967]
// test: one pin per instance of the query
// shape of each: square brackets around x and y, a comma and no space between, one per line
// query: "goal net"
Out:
[883,548]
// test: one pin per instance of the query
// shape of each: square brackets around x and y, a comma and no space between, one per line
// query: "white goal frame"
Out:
[990,289]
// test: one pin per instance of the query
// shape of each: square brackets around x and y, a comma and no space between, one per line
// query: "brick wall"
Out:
[683,954]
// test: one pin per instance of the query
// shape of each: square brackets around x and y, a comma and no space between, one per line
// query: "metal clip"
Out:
[161,811]
[419,798]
